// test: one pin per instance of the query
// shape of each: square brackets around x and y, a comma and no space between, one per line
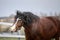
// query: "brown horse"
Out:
[37,28]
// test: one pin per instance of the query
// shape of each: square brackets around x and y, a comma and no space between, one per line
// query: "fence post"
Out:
[18,34]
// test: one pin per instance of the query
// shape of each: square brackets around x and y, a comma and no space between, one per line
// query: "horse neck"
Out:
[28,30]
[29,26]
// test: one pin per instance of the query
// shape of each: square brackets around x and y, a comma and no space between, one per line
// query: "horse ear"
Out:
[18,12]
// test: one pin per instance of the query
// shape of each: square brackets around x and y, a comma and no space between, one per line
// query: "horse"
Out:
[35,27]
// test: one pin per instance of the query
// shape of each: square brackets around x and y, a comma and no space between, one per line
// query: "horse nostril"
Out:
[11,31]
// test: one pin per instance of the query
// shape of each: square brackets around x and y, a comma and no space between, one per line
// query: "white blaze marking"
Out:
[14,26]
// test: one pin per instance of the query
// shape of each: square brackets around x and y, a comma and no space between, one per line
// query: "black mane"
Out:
[27,17]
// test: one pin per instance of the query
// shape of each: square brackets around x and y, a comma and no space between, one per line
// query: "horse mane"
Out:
[29,18]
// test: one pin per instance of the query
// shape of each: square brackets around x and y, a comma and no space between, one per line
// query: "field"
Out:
[1,38]
[10,38]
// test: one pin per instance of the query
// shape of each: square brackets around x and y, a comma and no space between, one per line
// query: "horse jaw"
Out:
[13,28]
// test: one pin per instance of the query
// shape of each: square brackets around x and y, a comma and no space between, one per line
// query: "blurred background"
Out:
[8,8]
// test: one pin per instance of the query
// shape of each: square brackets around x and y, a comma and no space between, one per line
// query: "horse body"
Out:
[43,29]
[37,28]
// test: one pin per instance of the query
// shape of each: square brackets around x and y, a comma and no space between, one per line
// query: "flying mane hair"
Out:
[28,17]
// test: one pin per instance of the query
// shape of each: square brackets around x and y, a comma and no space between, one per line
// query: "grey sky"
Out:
[8,7]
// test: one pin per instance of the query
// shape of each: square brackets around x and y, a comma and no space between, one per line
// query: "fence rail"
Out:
[17,36]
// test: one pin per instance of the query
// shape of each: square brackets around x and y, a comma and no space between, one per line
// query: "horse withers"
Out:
[37,28]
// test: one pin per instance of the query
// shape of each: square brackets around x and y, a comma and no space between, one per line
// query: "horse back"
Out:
[49,26]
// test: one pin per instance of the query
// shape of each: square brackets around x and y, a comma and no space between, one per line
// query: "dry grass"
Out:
[10,38]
